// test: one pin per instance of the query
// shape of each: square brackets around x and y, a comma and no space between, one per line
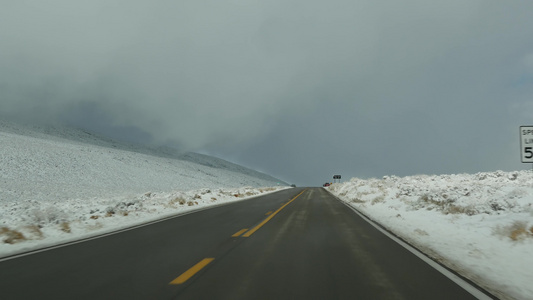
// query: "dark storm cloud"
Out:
[298,89]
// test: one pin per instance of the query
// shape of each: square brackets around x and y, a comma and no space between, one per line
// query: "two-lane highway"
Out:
[293,244]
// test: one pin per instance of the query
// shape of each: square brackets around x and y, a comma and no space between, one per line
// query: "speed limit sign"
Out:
[526,144]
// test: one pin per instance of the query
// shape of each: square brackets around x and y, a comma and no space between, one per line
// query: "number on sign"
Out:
[529,152]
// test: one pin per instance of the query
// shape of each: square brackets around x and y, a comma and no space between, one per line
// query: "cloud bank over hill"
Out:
[232,77]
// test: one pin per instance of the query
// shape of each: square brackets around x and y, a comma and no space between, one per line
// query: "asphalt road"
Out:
[294,244]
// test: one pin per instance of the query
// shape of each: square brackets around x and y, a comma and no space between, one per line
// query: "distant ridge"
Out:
[215,162]
[82,136]
[56,163]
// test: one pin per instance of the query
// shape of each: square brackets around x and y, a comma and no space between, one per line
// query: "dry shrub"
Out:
[178,200]
[197,196]
[94,217]
[427,199]
[34,231]
[213,198]
[518,234]
[378,199]
[65,227]
[190,203]
[12,236]
[455,209]
[357,200]
[249,194]
[447,207]
[237,195]
[517,231]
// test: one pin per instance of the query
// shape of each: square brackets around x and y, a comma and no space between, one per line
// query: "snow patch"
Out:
[61,184]
[480,224]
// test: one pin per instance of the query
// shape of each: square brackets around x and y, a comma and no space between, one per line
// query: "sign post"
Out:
[526,144]
[336,177]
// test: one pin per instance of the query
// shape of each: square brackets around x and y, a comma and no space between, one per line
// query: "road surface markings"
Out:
[251,231]
[268,213]
[190,273]
[474,291]
[238,233]
[204,262]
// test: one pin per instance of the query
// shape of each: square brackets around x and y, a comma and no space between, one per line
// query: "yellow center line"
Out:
[238,233]
[189,273]
[268,213]
[251,231]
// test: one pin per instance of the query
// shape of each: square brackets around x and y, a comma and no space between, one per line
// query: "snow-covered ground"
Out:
[480,225]
[61,184]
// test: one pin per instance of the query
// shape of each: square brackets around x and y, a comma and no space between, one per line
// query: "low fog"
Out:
[301,90]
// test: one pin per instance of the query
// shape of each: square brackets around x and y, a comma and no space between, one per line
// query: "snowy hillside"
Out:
[60,183]
[481,225]
[44,163]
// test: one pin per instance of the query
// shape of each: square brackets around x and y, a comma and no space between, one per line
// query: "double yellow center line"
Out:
[251,231]
[204,262]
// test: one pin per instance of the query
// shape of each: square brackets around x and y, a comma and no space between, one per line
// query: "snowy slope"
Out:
[46,163]
[59,183]
[481,224]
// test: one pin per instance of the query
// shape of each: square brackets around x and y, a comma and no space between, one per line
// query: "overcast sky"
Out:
[301,90]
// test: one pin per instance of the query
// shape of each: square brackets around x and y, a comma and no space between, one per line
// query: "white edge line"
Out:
[82,240]
[453,277]
[132,227]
